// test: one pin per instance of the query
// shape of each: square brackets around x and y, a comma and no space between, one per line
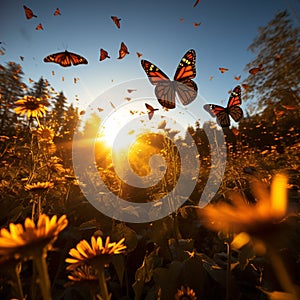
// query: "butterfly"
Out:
[150,110]
[197,24]
[39,27]
[139,54]
[65,59]
[223,70]
[116,21]
[123,51]
[182,84]
[237,77]
[233,109]
[196,3]
[103,54]
[255,70]
[57,12]
[28,12]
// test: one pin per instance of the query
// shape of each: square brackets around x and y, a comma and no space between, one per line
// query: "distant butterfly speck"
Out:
[103,54]
[182,84]
[66,59]
[233,109]
[150,110]
[116,21]
[123,51]
[28,12]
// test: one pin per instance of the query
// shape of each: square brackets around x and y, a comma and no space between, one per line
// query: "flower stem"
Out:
[44,281]
[102,283]
[18,290]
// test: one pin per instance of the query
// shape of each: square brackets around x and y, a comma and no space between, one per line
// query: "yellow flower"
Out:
[39,186]
[32,106]
[25,241]
[95,253]
[185,294]
[45,133]
[83,273]
[239,216]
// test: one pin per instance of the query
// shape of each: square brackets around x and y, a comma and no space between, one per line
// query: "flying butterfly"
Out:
[103,54]
[196,24]
[196,3]
[66,59]
[255,70]
[28,12]
[39,27]
[123,51]
[57,12]
[182,84]
[116,21]
[237,78]
[223,70]
[233,109]
[139,54]
[150,110]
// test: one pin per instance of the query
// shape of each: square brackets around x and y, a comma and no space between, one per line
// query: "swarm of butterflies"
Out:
[166,89]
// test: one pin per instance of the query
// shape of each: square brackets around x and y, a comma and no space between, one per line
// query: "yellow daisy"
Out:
[32,106]
[185,294]
[45,133]
[27,240]
[39,186]
[253,219]
[94,254]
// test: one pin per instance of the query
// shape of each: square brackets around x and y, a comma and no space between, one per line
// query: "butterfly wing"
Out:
[186,88]
[57,12]
[28,12]
[165,93]
[150,110]
[39,27]
[223,70]
[116,21]
[234,102]
[154,74]
[103,54]
[219,112]
[65,59]
[123,51]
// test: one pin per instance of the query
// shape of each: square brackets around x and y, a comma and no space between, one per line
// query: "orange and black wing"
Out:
[123,51]
[66,59]
[103,54]
[234,102]
[185,87]
[150,110]
[57,12]
[220,112]
[39,27]
[116,21]
[28,12]
[164,87]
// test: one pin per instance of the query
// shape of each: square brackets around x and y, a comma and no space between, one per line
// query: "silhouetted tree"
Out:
[278,50]
[11,89]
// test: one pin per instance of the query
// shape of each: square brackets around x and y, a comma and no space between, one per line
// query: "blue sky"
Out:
[150,27]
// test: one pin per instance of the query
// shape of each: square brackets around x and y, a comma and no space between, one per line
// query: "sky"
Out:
[152,28]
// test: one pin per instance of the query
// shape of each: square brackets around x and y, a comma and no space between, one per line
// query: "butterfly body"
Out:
[232,109]
[66,59]
[182,83]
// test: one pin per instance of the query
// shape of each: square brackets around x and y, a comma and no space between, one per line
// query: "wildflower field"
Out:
[243,244]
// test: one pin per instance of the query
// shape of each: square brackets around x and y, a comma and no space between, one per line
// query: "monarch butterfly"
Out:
[233,109]
[181,20]
[182,83]
[139,54]
[196,3]
[39,27]
[150,110]
[223,70]
[28,12]
[131,90]
[123,51]
[103,54]
[57,12]
[66,58]
[237,78]
[116,21]
[197,24]
[255,70]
